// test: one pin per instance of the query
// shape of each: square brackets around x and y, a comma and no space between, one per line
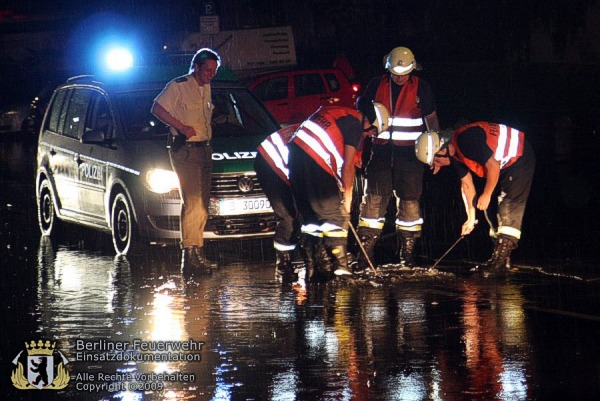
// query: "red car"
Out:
[291,96]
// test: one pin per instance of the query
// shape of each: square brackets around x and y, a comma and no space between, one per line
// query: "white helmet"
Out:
[431,142]
[377,114]
[400,61]
[382,119]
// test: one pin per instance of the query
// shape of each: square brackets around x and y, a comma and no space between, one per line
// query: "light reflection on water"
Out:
[264,340]
[83,295]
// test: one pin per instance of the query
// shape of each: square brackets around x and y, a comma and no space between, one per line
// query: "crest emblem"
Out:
[42,370]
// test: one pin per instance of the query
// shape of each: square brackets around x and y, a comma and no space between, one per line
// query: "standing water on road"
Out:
[239,334]
[135,328]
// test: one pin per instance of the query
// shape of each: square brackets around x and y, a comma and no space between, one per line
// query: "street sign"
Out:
[209,25]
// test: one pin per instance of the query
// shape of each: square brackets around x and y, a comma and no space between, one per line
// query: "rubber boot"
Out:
[323,265]
[203,262]
[284,266]
[407,240]
[307,245]
[499,262]
[339,259]
[368,238]
[189,261]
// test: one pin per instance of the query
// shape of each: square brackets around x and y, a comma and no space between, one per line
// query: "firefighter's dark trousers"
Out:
[393,170]
[515,184]
[318,197]
[282,201]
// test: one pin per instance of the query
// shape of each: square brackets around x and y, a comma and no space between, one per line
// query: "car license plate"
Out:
[244,206]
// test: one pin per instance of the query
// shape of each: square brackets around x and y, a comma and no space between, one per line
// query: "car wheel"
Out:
[46,212]
[123,225]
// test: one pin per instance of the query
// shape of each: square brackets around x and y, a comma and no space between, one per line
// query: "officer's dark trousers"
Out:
[194,170]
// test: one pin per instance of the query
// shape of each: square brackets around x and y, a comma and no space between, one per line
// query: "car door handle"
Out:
[282,104]
[77,159]
[52,152]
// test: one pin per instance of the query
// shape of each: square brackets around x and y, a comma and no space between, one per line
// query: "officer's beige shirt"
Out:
[190,103]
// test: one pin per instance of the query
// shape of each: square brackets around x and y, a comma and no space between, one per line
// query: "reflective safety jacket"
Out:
[274,150]
[320,137]
[406,121]
[504,141]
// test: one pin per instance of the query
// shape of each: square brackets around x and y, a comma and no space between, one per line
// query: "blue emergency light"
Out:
[119,59]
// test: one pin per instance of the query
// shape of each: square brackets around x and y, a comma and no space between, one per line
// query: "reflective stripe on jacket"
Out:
[406,118]
[320,137]
[504,141]
[274,150]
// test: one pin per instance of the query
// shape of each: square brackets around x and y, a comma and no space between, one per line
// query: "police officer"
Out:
[185,105]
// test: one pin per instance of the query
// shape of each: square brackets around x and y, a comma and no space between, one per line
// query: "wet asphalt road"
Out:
[404,336]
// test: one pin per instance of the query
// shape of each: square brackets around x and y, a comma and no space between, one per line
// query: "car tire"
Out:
[47,219]
[123,227]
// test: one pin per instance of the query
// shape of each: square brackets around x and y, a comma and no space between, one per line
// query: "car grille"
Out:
[250,224]
[228,185]
[236,184]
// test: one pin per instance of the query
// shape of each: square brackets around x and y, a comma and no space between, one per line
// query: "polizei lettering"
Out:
[91,171]
[235,156]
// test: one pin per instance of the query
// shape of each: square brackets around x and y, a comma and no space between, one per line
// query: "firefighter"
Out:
[271,166]
[323,153]
[499,154]
[392,168]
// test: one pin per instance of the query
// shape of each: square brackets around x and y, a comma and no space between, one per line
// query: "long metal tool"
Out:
[452,247]
[371,266]
[447,252]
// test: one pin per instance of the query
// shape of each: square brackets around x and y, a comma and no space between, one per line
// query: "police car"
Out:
[102,162]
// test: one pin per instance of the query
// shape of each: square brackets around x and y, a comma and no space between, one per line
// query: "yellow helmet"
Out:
[377,114]
[431,142]
[400,61]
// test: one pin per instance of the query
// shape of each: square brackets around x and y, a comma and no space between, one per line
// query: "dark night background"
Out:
[531,64]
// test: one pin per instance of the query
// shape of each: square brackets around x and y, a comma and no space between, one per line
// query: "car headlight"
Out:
[162,181]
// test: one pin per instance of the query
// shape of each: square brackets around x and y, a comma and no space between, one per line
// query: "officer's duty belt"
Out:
[197,144]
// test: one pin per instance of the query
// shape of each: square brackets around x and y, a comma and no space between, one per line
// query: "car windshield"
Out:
[237,113]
